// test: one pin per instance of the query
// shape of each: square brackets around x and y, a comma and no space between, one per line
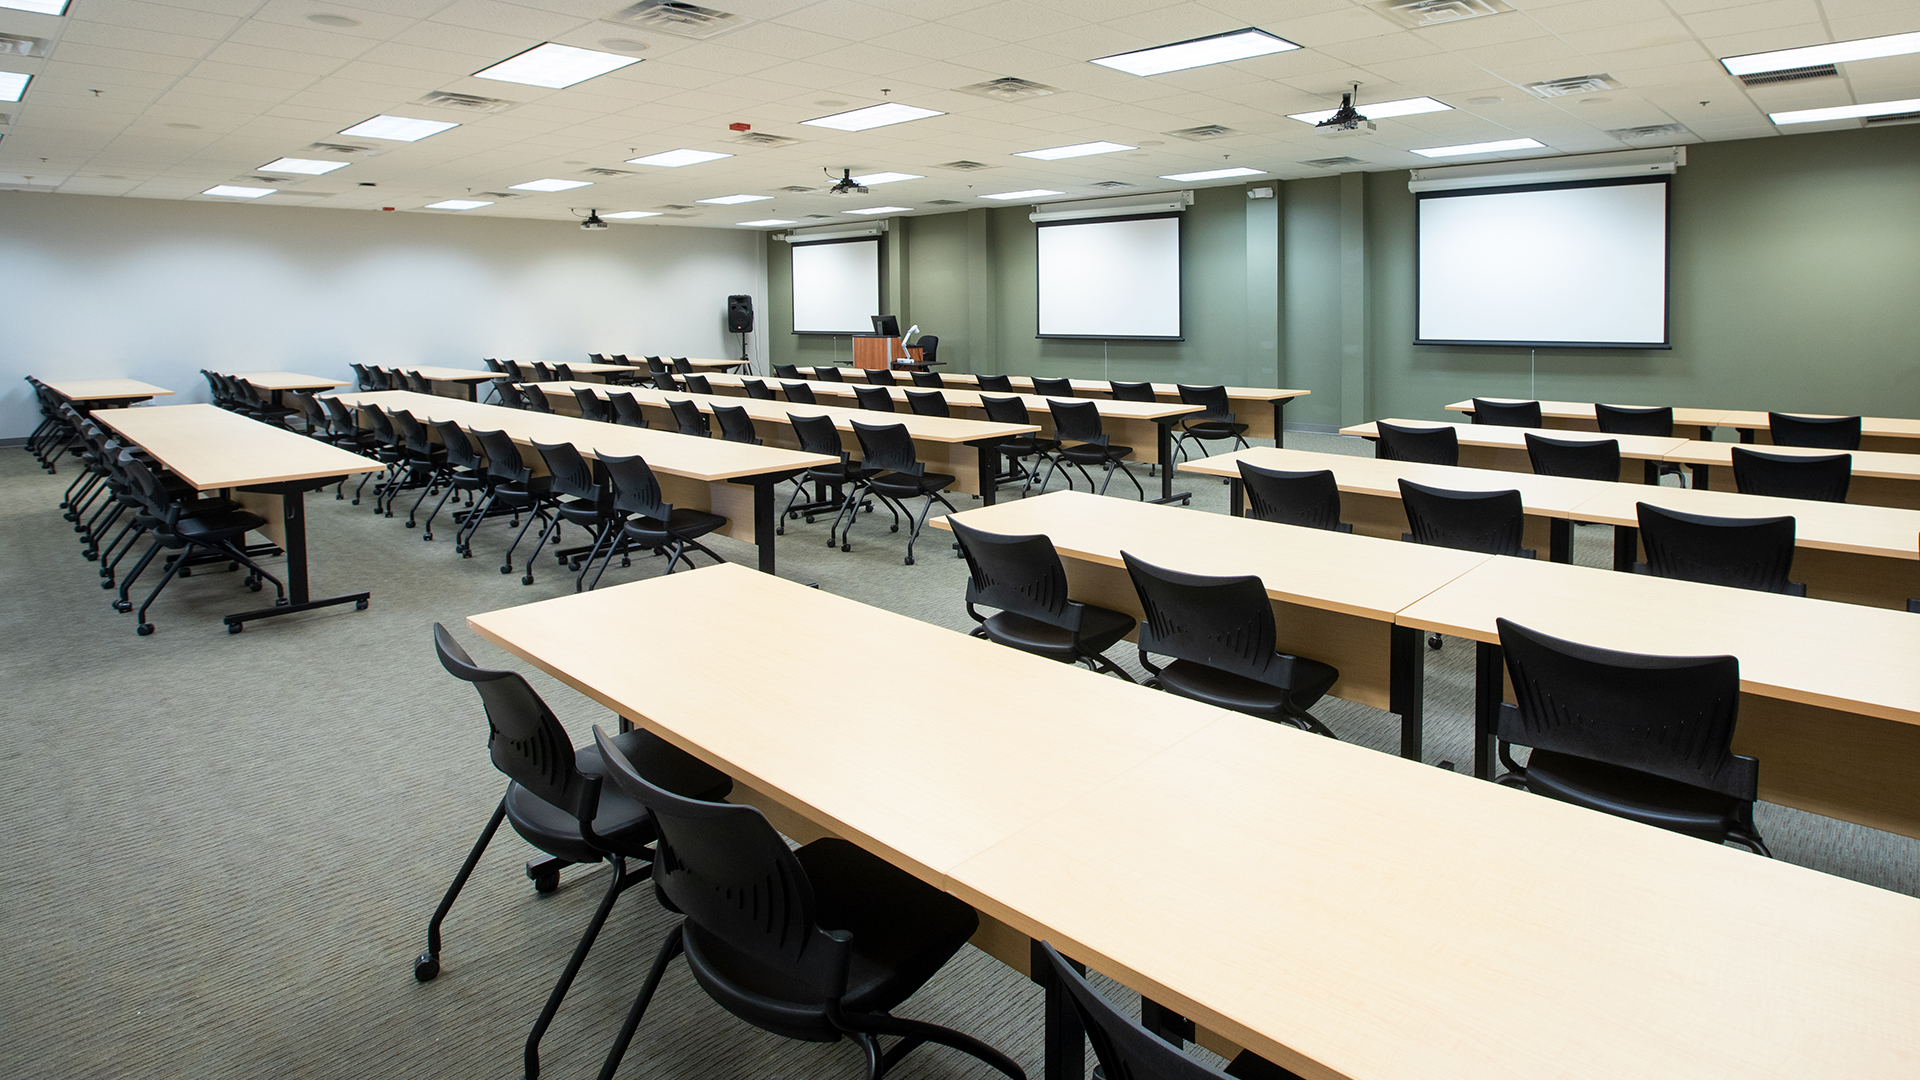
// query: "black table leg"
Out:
[1626,547]
[1164,436]
[1165,1023]
[293,506]
[989,469]
[1407,686]
[1746,434]
[1560,539]
[1702,476]
[1236,497]
[1489,689]
[1280,421]
[1065,1040]
[764,517]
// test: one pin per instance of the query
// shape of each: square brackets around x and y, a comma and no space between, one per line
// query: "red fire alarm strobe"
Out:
[739,127]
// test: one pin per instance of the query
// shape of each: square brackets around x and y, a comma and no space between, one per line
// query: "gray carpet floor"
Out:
[228,846]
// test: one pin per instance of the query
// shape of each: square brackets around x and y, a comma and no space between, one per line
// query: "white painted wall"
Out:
[97,287]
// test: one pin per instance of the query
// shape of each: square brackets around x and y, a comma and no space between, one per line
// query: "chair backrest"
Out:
[1817,432]
[381,425]
[1005,410]
[1021,574]
[1225,623]
[736,425]
[929,348]
[1672,716]
[564,372]
[360,373]
[536,399]
[874,398]
[1824,478]
[1428,446]
[524,738]
[382,378]
[1582,459]
[568,471]
[799,393]
[595,358]
[541,372]
[1212,398]
[757,389]
[1053,387]
[664,380]
[1622,420]
[1309,499]
[928,379]
[881,377]
[340,420]
[786,371]
[626,411]
[1744,553]
[310,409]
[1507,413]
[413,435]
[698,384]
[828,373]
[928,403]
[888,446]
[503,457]
[817,434]
[655,365]
[995,384]
[460,451]
[1492,522]
[635,489]
[688,418]
[618,358]
[511,397]
[593,406]
[1124,1049]
[1077,421]
[1131,391]
[681,364]
[750,911]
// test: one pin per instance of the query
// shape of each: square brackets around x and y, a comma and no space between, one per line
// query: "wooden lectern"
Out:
[872,351]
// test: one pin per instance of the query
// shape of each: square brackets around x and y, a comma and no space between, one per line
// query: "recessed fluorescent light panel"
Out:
[1846,112]
[459,204]
[1077,150]
[873,116]
[1385,110]
[766,221]
[551,184]
[1481,148]
[13,85]
[303,166]
[42,7]
[1033,193]
[1213,174]
[674,159]
[628,215]
[1218,49]
[735,200]
[873,178]
[555,67]
[398,128]
[880,210]
[228,191]
[1839,52]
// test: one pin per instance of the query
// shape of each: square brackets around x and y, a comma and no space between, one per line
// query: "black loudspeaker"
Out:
[739,314]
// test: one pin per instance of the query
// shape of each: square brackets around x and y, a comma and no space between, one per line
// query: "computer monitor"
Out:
[886,325]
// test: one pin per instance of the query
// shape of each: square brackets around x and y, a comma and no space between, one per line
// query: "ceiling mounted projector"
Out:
[1347,120]
[593,221]
[845,185]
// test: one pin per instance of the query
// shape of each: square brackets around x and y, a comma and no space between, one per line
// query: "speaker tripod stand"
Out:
[746,364]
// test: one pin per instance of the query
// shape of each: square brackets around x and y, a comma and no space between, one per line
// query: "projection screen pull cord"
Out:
[1532,372]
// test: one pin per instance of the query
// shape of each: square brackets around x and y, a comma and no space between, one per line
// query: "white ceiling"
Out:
[165,98]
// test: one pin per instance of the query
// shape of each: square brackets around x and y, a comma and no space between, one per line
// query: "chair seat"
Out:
[848,473]
[1213,429]
[218,525]
[583,511]
[1632,794]
[1306,682]
[1028,444]
[622,824]
[900,485]
[685,524]
[1100,629]
[1092,453]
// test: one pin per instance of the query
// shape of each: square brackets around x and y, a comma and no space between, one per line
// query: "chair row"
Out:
[1786,429]
[236,396]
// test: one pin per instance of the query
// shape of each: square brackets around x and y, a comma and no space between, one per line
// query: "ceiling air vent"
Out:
[503,194]
[797,189]
[1332,162]
[761,138]
[5,119]
[21,45]
[1204,132]
[819,217]
[1579,84]
[679,215]
[346,149]
[1008,89]
[679,19]
[278,181]
[964,165]
[1768,78]
[1110,184]
[676,206]
[1651,133]
[943,202]
[1422,13]
[473,103]
[597,171]
[1899,118]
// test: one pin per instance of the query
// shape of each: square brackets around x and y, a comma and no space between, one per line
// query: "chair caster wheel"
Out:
[186,571]
[893,528]
[410,525]
[909,560]
[92,556]
[809,520]
[234,628]
[145,629]
[506,569]
[526,579]
[1433,641]
[359,605]
[426,536]
[426,967]
[546,882]
[846,547]
[107,584]
[253,585]
[122,606]
[282,602]
[781,531]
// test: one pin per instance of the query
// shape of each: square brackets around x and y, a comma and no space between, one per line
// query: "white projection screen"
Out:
[836,286]
[1111,278]
[1567,265]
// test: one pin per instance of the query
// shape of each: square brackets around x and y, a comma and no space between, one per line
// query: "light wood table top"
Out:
[212,448]
[1349,914]
[665,451]
[1885,427]
[450,374]
[925,780]
[1545,496]
[584,368]
[1883,531]
[104,389]
[1646,447]
[938,429]
[1891,427]
[1107,407]
[285,380]
[1356,575]
[1876,463]
[1842,656]
[708,364]
[1093,386]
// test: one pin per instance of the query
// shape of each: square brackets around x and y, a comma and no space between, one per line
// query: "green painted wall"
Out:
[1796,283]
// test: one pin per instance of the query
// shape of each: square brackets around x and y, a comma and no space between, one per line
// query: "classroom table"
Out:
[89,394]
[1262,409]
[1487,446]
[1879,478]
[937,441]
[273,468]
[275,384]
[465,381]
[1334,596]
[1891,434]
[734,480]
[1340,912]
[1830,695]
